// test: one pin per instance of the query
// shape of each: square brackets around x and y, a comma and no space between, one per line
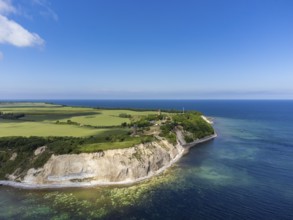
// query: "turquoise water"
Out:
[245,173]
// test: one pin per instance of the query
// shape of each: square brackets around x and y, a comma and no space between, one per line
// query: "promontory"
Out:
[45,145]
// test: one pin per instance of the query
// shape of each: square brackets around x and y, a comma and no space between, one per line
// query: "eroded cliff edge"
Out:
[120,166]
[146,146]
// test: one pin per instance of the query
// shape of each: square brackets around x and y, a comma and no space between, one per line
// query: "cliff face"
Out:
[108,167]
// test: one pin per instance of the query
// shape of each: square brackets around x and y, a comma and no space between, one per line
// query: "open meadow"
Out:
[41,119]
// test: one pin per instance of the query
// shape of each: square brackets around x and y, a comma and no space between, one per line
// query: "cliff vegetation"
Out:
[60,130]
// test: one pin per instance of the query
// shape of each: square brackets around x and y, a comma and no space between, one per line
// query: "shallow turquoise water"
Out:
[245,173]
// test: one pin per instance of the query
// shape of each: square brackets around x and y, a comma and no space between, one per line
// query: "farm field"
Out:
[89,148]
[107,117]
[44,129]
[43,119]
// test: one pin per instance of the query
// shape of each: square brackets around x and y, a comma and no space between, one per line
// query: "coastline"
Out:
[89,184]
[199,141]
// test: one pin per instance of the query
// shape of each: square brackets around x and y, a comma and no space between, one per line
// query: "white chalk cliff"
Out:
[108,167]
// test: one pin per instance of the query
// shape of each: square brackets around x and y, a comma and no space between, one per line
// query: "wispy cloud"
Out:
[46,10]
[6,7]
[13,33]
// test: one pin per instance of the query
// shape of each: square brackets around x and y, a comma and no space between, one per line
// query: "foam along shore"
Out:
[208,120]
[175,153]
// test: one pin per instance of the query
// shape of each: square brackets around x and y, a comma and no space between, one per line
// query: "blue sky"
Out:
[146,49]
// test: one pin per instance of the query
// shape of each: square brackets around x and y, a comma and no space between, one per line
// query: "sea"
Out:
[245,173]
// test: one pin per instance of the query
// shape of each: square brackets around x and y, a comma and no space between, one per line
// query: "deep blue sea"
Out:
[245,173]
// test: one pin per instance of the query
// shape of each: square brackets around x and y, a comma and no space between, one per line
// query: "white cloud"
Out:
[12,32]
[46,10]
[6,7]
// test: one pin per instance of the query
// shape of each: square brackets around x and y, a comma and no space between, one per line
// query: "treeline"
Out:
[11,116]
[193,125]
[124,115]
[58,145]
[147,120]
[69,122]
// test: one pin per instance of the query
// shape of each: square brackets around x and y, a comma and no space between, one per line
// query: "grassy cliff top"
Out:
[25,127]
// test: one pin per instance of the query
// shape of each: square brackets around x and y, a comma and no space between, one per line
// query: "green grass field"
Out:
[45,129]
[106,117]
[40,120]
[89,148]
